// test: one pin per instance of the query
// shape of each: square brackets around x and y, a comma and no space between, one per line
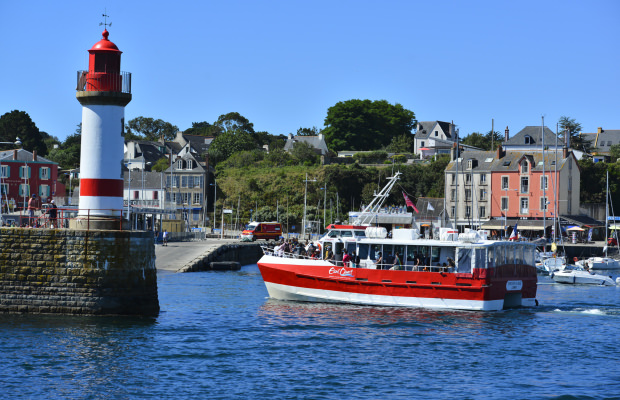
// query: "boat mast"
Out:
[606,210]
[456,176]
[555,184]
[542,134]
[370,211]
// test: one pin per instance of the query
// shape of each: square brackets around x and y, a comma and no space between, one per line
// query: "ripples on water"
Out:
[218,336]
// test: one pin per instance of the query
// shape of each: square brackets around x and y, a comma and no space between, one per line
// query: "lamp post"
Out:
[303,231]
[5,194]
[128,165]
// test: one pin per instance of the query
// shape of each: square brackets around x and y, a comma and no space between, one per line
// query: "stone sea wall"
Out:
[77,272]
[227,256]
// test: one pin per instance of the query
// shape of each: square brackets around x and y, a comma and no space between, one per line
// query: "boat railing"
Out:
[270,251]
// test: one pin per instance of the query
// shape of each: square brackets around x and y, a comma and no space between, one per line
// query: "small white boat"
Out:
[576,275]
[549,262]
[604,263]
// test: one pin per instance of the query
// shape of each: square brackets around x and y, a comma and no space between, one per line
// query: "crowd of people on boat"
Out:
[392,261]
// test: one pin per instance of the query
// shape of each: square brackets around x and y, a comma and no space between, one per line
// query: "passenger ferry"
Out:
[466,271]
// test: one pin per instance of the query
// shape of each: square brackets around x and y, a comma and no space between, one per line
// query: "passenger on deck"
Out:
[396,264]
[346,258]
[379,261]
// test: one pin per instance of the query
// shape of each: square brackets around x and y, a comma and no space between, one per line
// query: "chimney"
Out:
[453,152]
[565,152]
[14,154]
[34,155]
[500,151]
[506,135]
[600,130]
[450,129]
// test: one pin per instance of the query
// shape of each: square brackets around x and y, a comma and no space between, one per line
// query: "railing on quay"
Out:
[43,219]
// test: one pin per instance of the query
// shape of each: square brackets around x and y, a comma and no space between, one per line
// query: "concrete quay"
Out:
[205,255]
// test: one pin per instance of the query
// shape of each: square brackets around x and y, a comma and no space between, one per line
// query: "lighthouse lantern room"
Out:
[103,91]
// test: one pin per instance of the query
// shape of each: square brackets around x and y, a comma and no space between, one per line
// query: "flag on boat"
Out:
[514,235]
[410,203]
[430,207]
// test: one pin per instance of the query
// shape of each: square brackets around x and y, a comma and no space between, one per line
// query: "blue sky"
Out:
[282,64]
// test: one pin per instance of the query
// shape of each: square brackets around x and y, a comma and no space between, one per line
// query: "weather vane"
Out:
[105,20]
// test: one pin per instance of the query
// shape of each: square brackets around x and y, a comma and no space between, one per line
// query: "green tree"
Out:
[478,140]
[304,153]
[401,144]
[18,124]
[161,165]
[614,152]
[143,128]
[573,128]
[234,122]
[228,143]
[67,155]
[365,124]
[201,129]
[314,131]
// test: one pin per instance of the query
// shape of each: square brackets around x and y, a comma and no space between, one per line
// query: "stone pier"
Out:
[77,272]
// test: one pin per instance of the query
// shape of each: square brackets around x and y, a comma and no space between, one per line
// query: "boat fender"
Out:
[551,275]
[618,280]
[574,278]
[536,302]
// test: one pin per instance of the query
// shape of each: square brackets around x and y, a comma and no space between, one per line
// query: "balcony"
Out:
[88,81]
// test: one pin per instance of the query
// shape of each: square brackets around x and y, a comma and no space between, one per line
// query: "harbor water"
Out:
[218,336]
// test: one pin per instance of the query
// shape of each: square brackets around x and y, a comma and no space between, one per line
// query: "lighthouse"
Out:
[103,91]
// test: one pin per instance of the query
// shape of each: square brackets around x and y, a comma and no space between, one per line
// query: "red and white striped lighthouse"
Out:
[103,91]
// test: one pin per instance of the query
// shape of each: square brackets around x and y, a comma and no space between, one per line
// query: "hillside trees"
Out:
[143,128]
[16,124]
[365,124]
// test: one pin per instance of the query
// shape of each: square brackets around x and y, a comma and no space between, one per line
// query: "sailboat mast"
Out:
[544,181]
[606,210]
[555,185]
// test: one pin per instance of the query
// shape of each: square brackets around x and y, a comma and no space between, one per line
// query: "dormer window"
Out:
[524,167]
[472,163]
[436,133]
[528,139]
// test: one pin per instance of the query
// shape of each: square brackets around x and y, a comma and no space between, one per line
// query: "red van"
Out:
[262,230]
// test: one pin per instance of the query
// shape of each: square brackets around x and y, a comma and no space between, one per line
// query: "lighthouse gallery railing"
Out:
[89,81]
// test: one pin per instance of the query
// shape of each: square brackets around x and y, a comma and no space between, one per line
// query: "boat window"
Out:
[350,247]
[362,251]
[519,255]
[491,257]
[346,234]
[510,254]
[424,252]
[412,251]
[374,249]
[401,252]
[359,233]
[463,263]
[529,255]
[435,255]
[387,249]
[480,258]
[334,233]
[499,255]
[448,252]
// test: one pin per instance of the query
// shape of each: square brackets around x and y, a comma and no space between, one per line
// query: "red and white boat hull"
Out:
[321,281]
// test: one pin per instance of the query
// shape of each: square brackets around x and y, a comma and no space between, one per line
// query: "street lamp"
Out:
[128,191]
[5,195]
[303,232]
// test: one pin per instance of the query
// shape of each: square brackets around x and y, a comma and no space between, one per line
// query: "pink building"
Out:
[23,173]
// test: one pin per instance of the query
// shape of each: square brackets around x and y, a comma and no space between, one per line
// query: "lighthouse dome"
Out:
[104,44]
